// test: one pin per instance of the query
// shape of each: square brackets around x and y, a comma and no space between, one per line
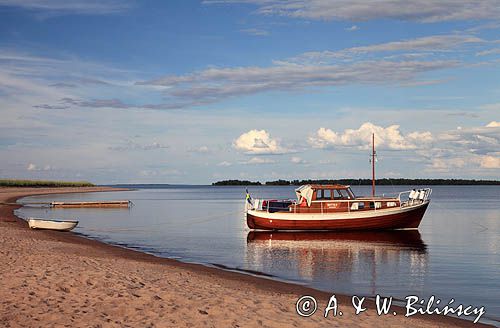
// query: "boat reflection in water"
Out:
[361,263]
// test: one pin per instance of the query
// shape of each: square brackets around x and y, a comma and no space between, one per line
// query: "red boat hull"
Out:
[409,219]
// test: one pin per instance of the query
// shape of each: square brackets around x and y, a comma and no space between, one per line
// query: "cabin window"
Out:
[323,194]
[391,204]
[372,204]
[327,194]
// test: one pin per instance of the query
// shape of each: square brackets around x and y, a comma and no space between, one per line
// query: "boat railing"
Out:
[271,205]
[414,196]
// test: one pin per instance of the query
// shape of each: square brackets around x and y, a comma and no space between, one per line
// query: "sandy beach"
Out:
[61,279]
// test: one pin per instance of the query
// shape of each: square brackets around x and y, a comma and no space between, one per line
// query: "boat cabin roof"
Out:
[329,186]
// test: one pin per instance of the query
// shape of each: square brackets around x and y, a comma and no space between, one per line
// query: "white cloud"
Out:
[465,161]
[297,160]
[446,164]
[488,52]
[160,172]
[476,140]
[33,167]
[91,7]
[470,149]
[362,10]
[255,31]
[493,124]
[352,28]
[258,142]
[132,145]
[427,44]
[385,138]
[224,163]
[489,162]
[260,160]
[215,84]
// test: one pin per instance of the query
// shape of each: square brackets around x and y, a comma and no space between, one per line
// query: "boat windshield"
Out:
[343,194]
[351,194]
[340,194]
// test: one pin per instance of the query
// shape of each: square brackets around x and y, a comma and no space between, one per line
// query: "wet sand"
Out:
[60,279]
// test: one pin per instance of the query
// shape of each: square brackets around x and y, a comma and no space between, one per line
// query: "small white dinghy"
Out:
[61,225]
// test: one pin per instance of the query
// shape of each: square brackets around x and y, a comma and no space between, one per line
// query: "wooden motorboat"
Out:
[61,225]
[335,207]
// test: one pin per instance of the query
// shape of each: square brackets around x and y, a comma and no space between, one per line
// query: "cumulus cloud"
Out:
[493,124]
[477,140]
[385,138]
[361,10]
[489,162]
[464,161]
[446,164]
[258,142]
[470,149]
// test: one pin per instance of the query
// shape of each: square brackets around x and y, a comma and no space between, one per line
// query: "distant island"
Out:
[381,182]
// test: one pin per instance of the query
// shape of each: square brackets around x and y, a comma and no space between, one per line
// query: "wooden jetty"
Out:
[101,204]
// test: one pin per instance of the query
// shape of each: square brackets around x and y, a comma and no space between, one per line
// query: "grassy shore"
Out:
[43,183]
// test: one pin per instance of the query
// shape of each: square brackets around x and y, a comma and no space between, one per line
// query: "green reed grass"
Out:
[43,183]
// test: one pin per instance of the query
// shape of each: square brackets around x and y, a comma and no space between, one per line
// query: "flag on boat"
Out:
[249,200]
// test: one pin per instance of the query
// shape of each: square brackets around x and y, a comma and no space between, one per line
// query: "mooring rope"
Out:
[191,221]
[455,213]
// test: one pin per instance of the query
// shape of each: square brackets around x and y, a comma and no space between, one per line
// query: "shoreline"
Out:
[275,299]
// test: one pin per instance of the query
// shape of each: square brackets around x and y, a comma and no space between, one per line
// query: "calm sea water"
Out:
[455,254]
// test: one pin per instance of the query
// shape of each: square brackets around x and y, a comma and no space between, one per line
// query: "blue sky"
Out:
[118,91]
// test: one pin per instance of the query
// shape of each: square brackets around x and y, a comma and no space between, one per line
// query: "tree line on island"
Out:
[381,182]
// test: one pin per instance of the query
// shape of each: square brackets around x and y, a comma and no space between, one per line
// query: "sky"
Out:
[192,92]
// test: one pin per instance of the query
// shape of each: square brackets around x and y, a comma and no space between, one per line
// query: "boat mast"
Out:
[373,164]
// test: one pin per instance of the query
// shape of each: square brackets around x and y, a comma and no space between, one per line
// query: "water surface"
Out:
[455,253]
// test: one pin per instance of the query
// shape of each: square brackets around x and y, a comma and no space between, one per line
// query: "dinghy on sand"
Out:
[60,225]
